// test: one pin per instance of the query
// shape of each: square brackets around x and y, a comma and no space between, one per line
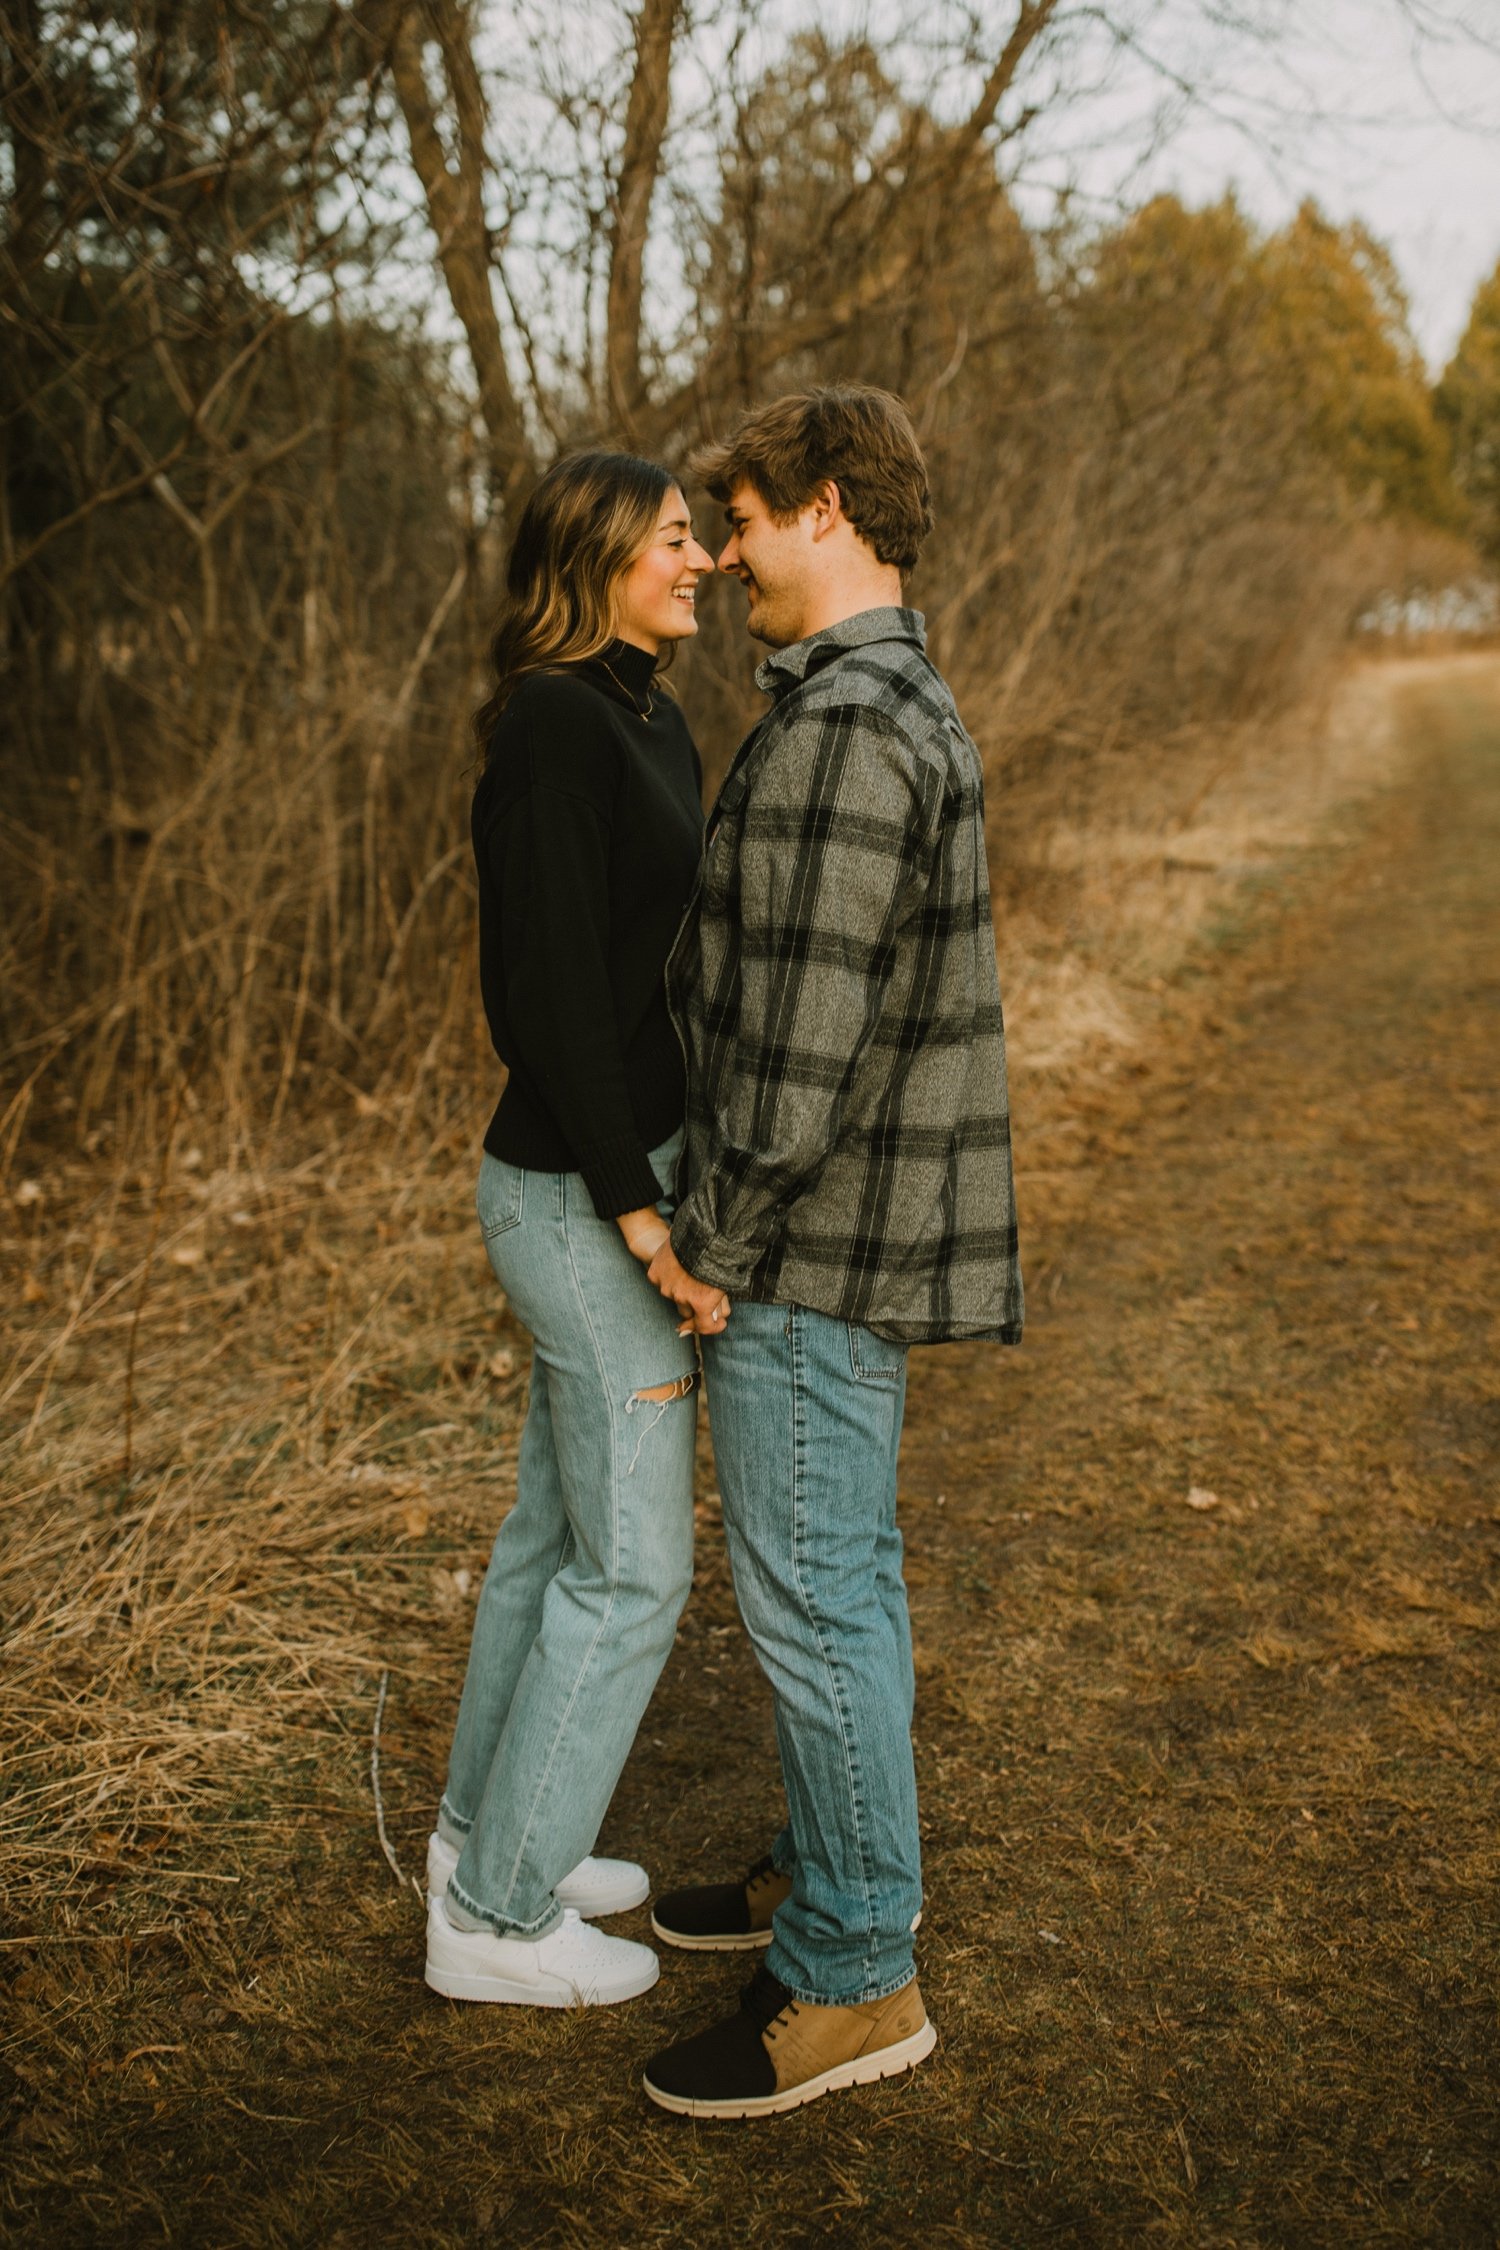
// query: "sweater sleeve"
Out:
[550,859]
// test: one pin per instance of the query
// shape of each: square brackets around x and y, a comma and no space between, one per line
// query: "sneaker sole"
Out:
[505,1991]
[744,1942]
[864,2070]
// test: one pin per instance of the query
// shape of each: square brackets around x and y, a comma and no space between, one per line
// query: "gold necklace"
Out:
[624,690]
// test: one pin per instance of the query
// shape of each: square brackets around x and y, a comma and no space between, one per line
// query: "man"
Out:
[849,1187]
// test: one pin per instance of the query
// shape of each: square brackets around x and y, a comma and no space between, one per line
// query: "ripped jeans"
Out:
[591,1567]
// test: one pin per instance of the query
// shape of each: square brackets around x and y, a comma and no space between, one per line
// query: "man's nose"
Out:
[729,555]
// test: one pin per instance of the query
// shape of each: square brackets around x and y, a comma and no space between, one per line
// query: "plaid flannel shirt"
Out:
[835,989]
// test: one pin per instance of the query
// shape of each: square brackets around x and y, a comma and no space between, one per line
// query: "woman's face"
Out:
[655,598]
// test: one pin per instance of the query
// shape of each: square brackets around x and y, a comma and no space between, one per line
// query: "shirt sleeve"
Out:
[550,859]
[835,852]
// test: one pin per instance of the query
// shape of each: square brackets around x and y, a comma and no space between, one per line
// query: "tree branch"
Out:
[455,207]
[640,162]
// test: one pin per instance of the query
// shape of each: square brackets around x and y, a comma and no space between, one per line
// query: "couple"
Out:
[825,1183]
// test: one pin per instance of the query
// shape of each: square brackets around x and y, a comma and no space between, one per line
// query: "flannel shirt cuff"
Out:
[618,1175]
[708,1256]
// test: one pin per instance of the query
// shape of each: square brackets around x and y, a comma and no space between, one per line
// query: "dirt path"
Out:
[1209,1790]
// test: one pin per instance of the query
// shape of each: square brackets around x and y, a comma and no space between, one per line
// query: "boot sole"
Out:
[743,1942]
[456,1984]
[864,2070]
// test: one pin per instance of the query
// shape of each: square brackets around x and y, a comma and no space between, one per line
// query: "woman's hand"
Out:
[702,1304]
[645,1231]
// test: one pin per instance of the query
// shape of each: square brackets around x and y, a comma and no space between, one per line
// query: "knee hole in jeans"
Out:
[664,1392]
[661,1397]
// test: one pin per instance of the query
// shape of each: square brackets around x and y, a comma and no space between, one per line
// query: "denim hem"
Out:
[454,1820]
[498,1924]
[860,1999]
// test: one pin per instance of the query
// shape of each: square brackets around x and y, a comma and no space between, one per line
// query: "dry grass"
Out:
[1209,1789]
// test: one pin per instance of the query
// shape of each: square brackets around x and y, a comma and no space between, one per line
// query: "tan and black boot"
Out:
[723,1917]
[778,2053]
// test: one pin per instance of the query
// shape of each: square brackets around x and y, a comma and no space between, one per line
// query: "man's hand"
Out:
[703,1306]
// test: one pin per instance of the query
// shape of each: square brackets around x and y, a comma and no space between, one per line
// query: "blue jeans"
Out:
[592,1565]
[806,1414]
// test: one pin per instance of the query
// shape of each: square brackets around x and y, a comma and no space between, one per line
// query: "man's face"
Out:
[774,562]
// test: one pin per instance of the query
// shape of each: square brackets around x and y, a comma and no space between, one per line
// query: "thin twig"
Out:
[385,1842]
[147,1266]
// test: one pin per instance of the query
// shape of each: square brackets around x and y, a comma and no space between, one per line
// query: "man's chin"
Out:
[761,624]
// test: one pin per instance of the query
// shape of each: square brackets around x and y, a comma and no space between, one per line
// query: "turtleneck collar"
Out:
[620,665]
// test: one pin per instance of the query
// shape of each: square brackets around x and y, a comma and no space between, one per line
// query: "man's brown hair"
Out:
[849,434]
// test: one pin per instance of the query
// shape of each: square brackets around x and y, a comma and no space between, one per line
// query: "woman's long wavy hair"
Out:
[589,518]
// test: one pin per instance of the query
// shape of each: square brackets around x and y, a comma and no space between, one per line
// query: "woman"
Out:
[587,830]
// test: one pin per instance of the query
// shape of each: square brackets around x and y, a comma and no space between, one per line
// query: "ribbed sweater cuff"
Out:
[618,1175]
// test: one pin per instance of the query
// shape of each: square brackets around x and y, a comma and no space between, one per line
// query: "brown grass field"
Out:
[1203,1581]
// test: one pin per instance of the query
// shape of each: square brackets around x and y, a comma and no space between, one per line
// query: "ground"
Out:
[1206,1608]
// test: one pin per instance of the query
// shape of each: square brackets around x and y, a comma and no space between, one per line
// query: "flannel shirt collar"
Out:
[788,667]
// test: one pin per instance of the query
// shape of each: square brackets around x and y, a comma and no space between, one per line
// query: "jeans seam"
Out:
[850,1763]
[614,1573]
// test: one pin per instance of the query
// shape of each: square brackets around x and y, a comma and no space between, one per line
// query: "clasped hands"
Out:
[702,1304]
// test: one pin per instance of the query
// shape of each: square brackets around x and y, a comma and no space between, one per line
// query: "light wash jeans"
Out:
[806,1415]
[591,1567]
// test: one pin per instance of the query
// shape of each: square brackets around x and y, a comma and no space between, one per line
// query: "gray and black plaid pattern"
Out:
[834,984]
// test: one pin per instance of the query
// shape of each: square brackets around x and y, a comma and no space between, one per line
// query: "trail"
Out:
[1210,1791]
[1205,1594]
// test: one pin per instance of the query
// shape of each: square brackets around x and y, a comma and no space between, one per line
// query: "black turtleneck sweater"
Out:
[587,829]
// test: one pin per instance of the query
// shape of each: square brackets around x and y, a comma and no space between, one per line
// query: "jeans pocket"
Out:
[499,1196]
[874,1359]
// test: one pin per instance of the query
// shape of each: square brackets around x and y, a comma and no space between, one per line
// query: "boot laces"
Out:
[765,1997]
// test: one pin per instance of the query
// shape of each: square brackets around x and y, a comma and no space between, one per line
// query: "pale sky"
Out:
[1401,132]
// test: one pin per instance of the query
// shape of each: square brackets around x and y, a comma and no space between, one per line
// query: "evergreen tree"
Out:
[1468,401]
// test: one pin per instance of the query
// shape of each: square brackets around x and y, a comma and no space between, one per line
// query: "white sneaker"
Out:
[574,1965]
[595,1887]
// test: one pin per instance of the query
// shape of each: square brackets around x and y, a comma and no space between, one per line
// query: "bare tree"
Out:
[455,196]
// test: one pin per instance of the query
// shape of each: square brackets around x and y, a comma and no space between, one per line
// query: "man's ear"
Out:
[828,508]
